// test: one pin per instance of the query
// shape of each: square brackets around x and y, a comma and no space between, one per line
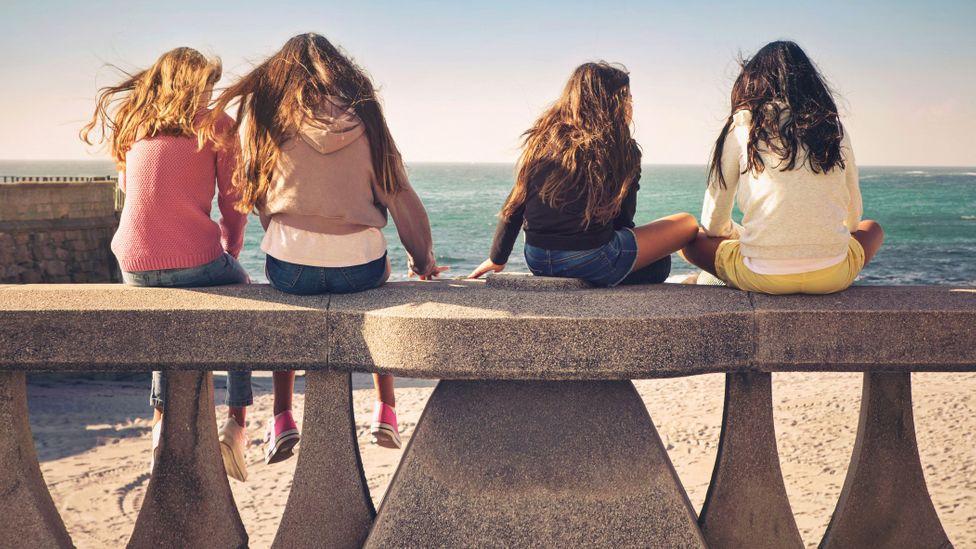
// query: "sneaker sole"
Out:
[232,466]
[283,447]
[384,435]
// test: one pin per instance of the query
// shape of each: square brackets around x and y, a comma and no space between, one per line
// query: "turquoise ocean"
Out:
[929,215]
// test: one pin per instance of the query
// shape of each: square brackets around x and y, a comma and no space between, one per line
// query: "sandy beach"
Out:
[93,443]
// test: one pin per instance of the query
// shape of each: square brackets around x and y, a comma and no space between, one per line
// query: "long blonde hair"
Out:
[287,88]
[161,100]
[583,146]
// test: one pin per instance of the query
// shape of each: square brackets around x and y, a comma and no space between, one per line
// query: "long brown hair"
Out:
[286,89]
[583,143]
[161,100]
[793,113]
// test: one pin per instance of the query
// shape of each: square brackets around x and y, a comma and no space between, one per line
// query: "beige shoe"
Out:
[157,434]
[233,441]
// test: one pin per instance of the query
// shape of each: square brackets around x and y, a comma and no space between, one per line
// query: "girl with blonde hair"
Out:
[170,169]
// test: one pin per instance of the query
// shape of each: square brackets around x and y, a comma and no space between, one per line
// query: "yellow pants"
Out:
[731,268]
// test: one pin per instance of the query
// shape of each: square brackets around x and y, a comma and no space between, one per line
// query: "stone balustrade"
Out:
[566,453]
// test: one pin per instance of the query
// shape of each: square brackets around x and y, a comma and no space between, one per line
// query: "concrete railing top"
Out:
[512,327]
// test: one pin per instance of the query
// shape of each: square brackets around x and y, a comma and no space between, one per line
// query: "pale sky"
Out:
[461,80]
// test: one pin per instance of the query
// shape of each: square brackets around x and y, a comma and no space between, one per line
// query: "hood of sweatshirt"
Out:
[331,128]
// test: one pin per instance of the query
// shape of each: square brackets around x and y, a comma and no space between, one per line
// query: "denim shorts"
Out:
[293,278]
[605,266]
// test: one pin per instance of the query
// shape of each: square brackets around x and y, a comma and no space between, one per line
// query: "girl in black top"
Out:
[576,188]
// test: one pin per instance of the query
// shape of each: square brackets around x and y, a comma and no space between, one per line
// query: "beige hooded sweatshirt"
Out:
[324,183]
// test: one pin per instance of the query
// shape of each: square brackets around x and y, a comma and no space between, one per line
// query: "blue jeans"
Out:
[293,278]
[606,266]
[223,270]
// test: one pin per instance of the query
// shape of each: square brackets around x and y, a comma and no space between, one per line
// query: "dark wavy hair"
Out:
[583,145]
[794,115]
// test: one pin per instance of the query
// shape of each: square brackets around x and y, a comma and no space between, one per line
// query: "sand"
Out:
[93,443]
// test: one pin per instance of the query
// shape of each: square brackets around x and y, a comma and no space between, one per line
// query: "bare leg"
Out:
[238,413]
[701,251]
[284,387]
[157,416]
[871,236]
[663,237]
[384,389]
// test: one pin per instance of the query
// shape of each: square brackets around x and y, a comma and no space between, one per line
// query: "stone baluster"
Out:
[884,501]
[188,502]
[535,463]
[746,504]
[28,517]
[329,504]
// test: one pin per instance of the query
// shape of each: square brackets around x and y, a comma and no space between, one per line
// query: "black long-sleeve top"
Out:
[557,228]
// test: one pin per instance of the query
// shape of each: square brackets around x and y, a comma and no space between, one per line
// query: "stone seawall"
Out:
[57,232]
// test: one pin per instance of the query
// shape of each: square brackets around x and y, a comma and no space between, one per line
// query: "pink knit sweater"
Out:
[169,189]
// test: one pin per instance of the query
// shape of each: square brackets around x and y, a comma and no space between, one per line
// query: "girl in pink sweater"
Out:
[320,167]
[170,172]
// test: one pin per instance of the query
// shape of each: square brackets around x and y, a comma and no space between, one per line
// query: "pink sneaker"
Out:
[384,428]
[281,438]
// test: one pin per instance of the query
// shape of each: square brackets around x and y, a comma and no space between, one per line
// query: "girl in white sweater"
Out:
[784,157]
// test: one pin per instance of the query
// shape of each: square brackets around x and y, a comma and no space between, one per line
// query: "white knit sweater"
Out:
[795,214]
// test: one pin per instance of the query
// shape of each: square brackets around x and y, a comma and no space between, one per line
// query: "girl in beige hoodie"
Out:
[319,166]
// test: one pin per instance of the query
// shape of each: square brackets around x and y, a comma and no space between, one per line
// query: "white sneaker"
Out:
[233,442]
[157,433]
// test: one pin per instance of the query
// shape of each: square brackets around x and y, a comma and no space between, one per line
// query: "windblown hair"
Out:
[161,100]
[794,115]
[583,142]
[275,98]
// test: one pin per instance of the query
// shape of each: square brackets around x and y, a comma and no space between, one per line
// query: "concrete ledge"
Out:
[469,330]
[868,328]
[463,330]
[111,327]
[529,282]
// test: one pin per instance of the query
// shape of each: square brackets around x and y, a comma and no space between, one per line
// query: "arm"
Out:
[232,222]
[855,208]
[717,209]
[412,225]
[625,219]
[506,232]
[122,180]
